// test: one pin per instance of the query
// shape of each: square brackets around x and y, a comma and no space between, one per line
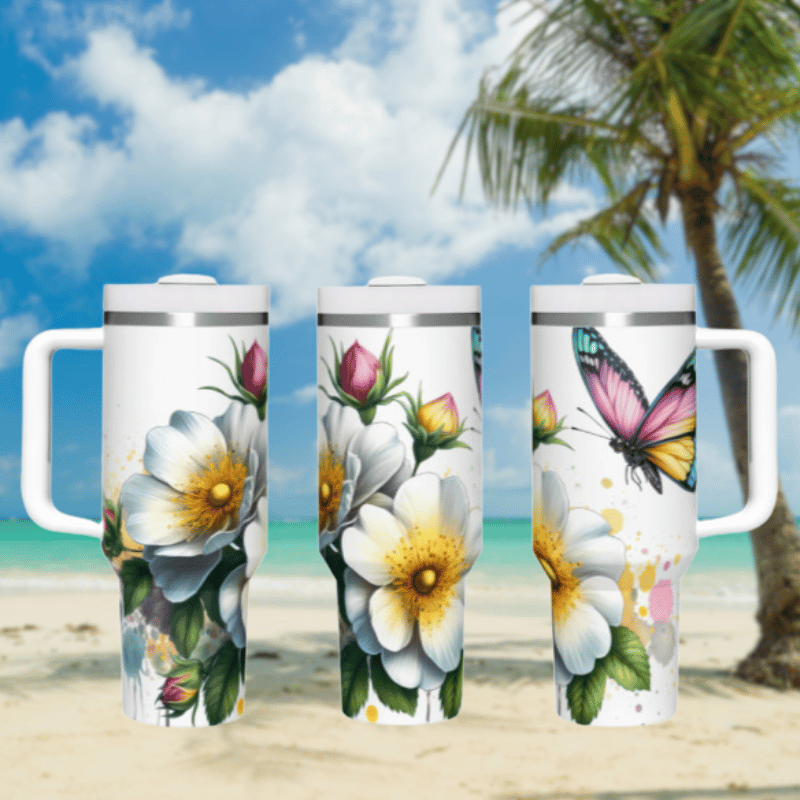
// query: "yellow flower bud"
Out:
[439,412]
[545,417]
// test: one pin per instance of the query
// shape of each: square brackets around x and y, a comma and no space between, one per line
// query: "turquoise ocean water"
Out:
[32,559]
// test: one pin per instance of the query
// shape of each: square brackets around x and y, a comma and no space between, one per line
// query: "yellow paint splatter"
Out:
[630,619]
[240,706]
[677,559]
[606,483]
[614,518]
[648,578]
[642,611]
[625,581]
[372,714]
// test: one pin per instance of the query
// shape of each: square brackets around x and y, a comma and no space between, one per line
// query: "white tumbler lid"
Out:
[398,294]
[176,294]
[612,294]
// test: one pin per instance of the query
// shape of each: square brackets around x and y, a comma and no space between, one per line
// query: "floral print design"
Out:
[584,563]
[398,543]
[185,536]
[404,592]
[202,491]
[357,463]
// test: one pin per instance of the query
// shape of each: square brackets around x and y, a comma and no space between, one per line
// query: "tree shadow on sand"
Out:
[309,668]
[729,793]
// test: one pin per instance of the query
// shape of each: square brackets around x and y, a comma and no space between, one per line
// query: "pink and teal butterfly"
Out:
[654,438]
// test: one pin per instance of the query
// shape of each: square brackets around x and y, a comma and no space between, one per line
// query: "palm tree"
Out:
[670,105]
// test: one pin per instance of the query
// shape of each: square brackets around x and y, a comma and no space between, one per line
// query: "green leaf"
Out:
[229,396]
[186,623]
[355,679]
[136,583]
[398,698]
[112,537]
[209,591]
[333,558]
[228,370]
[627,662]
[450,693]
[585,694]
[222,684]
[238,359]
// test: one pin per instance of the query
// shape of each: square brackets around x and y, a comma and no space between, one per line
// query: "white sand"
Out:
[63,733]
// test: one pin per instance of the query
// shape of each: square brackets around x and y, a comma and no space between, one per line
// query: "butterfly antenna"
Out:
[591,433]
[593,420]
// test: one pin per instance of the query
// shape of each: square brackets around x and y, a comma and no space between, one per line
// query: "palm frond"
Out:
[622,230]
[763,242]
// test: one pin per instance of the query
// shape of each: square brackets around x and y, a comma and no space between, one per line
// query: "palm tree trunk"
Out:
[776,544]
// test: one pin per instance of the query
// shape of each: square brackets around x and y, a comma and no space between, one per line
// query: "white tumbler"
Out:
[184,482]
[399,367]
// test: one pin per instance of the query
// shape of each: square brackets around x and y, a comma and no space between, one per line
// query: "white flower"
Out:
[206,478]
[404,592]
[234,589]
[357,463]
[584,564]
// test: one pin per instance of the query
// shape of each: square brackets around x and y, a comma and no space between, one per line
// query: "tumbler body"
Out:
[614,500]
[400,490]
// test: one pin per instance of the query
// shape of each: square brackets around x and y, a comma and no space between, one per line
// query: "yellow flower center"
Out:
[331,478]
[565,587]
[425,566]
[211,503]
[425,580]
[219,494]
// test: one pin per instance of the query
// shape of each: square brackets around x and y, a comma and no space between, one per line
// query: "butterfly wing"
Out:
[477,358]
[666,433]
[616,393]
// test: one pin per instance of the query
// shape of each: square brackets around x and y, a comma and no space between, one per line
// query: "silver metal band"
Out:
[612,319]
[399,320]
[186,319]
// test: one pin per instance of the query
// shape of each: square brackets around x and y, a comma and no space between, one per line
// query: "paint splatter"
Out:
[614,518]
[648,578]
[661,601]
[606,483]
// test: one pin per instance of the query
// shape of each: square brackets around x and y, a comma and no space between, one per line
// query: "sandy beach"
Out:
[64,734]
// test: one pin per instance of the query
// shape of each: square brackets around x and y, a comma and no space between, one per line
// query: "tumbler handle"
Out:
[37,438]
[762,397]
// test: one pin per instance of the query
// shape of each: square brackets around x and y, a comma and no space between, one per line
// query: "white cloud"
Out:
[15,332]
[504,477]
[9,473]
[50,22]
[789,439]
[717,473]
[285,479]
[511,417]
[320,176]
[512,426]
[303,395]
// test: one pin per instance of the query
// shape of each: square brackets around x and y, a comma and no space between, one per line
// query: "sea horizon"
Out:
[34,561]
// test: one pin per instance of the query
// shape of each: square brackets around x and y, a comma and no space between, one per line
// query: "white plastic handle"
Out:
[762,397]
[37,401]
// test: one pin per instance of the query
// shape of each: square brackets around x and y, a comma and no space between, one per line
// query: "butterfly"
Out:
[477,358]
[655,438]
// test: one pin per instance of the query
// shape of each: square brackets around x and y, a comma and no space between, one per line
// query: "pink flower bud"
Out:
[180,688]
[358,371]
[254,370]
[439,413]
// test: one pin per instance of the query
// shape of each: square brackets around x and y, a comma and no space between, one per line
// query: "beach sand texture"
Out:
[63,733]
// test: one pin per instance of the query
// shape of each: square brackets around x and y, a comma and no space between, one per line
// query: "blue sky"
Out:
[294,144]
